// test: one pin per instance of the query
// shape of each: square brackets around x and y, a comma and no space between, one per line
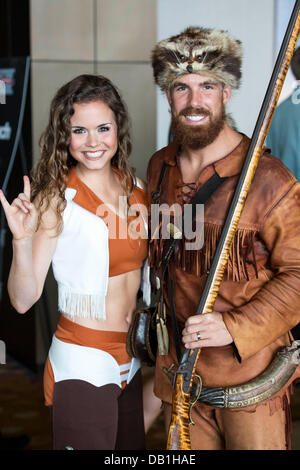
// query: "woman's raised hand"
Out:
[21,214]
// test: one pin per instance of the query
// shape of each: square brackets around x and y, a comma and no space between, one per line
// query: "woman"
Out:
[78,214]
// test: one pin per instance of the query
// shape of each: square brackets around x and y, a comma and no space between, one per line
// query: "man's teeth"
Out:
[195,118]
[94,154]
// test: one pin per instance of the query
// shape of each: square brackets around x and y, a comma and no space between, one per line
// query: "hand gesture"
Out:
[21,214]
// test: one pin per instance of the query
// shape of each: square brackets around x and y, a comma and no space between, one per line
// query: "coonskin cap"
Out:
[198,50]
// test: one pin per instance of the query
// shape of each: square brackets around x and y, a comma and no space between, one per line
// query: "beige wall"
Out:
[108,37]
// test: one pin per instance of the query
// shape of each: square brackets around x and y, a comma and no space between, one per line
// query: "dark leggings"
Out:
[85,417]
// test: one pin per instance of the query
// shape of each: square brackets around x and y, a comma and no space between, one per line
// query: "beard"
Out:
[197,136]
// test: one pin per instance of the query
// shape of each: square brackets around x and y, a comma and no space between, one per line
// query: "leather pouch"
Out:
[142,337]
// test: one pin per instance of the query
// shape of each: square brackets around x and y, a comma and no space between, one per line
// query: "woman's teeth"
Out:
[94,154]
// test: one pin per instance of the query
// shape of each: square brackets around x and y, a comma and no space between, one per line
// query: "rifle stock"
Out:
[178,438]
[179,433]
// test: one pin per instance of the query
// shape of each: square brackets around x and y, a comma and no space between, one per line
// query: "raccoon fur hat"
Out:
[198,50]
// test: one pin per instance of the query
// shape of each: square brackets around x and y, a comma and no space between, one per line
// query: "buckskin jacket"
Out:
[259,296]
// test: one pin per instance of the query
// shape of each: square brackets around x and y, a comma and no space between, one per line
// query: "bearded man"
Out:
[259,297]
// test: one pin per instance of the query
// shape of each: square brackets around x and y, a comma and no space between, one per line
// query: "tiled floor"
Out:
[22,411]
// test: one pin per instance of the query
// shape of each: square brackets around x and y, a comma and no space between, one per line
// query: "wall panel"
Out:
[126,29]
[62,29]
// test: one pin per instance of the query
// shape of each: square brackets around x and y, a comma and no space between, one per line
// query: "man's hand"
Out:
[205,330]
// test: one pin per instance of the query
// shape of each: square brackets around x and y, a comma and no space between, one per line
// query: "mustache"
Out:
[190,111]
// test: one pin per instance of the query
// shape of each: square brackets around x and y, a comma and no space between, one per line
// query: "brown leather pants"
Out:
[221,429]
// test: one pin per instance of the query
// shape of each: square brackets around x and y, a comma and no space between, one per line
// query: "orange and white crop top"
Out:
[96,244]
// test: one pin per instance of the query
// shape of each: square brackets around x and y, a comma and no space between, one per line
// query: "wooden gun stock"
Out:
[178,437]
[179,432]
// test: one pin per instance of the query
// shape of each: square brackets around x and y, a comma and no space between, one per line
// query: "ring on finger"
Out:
[198,335]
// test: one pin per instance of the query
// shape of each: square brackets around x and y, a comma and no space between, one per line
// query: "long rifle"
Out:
[179,436]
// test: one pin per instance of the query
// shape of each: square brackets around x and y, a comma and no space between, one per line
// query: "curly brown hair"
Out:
[49,177]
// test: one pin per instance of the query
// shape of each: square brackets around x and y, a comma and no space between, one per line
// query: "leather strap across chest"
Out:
[201,197]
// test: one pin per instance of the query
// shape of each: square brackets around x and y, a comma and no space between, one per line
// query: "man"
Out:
[284,134]
[259,298]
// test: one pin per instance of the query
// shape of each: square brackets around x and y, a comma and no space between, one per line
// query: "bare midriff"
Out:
[120,303]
